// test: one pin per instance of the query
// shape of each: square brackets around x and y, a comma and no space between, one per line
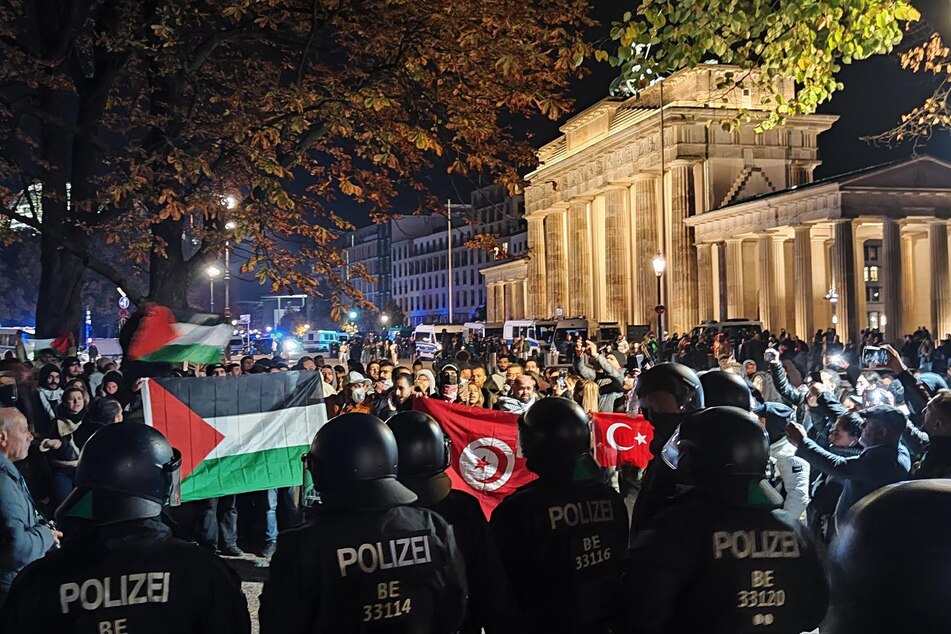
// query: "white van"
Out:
[537,334]
[476,328]
[320,341]
[9,338]
[429,338]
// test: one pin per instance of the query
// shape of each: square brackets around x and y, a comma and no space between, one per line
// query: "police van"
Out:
[10,336]
[319,341]
[429,338]
[733,328]
[568,331]
[536,333]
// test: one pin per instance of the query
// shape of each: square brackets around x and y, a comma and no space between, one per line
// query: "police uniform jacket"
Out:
[127,577]
[562,544]
[395,570]
[489,591]
[713,566]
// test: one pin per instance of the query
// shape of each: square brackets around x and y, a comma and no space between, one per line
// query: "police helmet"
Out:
[676,379]
[725,388]
[126,471]
[720,443]
[554,433]
[353,462]
[889,562]
[425,453]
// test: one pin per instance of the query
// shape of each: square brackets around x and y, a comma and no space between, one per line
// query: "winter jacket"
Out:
[23,538]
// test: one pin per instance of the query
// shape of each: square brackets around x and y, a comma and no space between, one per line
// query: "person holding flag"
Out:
[563,537]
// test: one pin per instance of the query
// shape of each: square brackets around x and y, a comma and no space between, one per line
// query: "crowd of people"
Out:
[742,427]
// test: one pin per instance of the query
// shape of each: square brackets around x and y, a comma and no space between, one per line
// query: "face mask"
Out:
[450,392]
[388,383]
[463,382]
[359,394]
[664,424]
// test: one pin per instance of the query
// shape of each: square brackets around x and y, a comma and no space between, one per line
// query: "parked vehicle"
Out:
[536,333]
[588,330]
[734,328]
[321,341]
[11,335]
[429,338]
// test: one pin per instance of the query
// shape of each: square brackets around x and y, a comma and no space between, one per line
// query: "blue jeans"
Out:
[288,506]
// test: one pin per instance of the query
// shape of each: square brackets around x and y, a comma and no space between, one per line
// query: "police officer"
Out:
[889,563]
[721,551]
[791,474]
[725,388]
[668,393]
[368,561]
[123,572]
[424,456]
[562,537]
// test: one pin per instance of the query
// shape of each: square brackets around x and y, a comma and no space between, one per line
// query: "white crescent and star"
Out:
[639,438]
[487,464]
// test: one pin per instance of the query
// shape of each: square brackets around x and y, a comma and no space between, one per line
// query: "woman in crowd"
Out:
[843,441]
[67,437]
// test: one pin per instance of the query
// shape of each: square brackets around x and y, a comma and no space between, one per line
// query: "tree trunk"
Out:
[169,276]
[62,275]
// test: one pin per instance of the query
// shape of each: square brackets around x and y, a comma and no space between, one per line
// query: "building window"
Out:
[871,273]
[873,294]
[871,253]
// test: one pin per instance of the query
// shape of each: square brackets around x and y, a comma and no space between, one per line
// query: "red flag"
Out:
[484,450]
[620,439]
[63,343]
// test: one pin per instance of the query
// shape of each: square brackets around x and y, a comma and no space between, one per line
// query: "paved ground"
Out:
[253,571]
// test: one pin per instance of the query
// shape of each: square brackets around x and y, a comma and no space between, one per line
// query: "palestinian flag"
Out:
[166,335]
[237,433]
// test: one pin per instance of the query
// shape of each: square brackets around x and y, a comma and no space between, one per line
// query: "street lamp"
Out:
[833,298]
[352,314]
[660,264]
[384,319]
[212,272]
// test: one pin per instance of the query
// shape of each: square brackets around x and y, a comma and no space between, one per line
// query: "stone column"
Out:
[509,294]
[766,278]
[538,298]
[490,302]
[647,245]
[681,277]
[734,277]
[705,297]
[556,257]
[940,291]
[890,275]
[579,273]
[501,307]
[802,263]
[780,294]
[843,272]
[617,260]
[722,295]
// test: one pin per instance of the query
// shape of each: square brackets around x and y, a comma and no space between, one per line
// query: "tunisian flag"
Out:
[620,439]
[485,458]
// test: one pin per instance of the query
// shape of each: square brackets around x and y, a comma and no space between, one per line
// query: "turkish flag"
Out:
[620,439]
[485,457]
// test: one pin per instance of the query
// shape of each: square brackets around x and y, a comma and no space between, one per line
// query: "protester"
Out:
[26,537]
[883,460]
